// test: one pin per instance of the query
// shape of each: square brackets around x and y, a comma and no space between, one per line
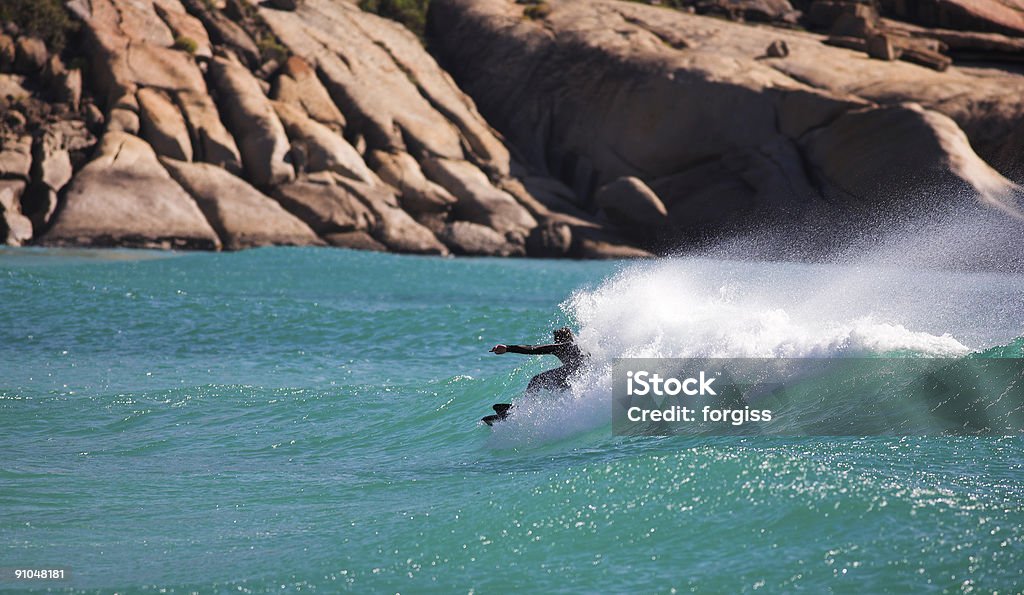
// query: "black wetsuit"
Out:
[558,379]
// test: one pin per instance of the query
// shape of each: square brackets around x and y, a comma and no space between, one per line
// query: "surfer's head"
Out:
[563,335]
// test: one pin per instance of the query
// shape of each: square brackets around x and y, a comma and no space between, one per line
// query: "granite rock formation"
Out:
[722,133]
[605,128]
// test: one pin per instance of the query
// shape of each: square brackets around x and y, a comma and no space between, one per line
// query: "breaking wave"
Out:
[678,308]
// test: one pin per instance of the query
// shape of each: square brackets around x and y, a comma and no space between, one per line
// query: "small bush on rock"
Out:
[411,13]
[186,44]
[537,11]
[271,49]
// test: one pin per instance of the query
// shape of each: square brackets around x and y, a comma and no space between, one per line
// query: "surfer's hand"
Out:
[499,349]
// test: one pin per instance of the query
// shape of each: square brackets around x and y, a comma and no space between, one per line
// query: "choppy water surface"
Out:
[306,420]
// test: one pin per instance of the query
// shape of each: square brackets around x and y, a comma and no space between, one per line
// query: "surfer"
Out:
[564,348]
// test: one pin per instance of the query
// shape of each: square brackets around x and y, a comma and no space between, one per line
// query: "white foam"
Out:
[678,308]
[704,308]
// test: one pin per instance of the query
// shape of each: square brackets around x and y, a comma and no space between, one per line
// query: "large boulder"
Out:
[120,119]
[242,216]
[630,202]
[298,85]
[550,239]
[393,227]
[156,66]
[184,26]
[322,148]
[261,138]
[15,155]
[225,32]
[115,21]
[15,228]
[52,168]
[397,230]
[355,240]
[333,205]
[325,207]
[163,126]
[473,239]
[211,141]
[124,197]
[709,195]
[417,195]
[478,200]
[596,243]
[864,154]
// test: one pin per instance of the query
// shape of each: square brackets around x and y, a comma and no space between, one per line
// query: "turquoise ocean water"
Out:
[305,420]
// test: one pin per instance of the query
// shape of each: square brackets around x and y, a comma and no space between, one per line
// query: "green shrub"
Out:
[411,13]
[271,49]
[186,43]
[537,11]
[45,19]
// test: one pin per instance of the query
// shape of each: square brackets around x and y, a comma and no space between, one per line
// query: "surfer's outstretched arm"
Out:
[527,349]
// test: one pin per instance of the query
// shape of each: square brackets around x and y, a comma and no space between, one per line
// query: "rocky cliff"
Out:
[193,124]
[618,127]
[726,122]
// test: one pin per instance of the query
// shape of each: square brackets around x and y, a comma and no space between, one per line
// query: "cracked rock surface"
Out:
[599,90]
[589,129]
[235,124]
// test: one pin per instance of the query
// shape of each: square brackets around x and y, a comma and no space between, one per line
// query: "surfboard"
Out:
[501,410]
